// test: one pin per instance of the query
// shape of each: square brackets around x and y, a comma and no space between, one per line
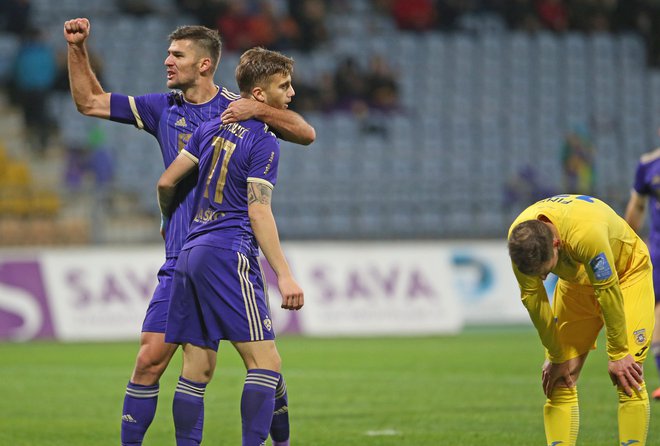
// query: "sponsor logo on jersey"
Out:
[640,336]
[182,140]
[601,267]
[641,352]
[181,122]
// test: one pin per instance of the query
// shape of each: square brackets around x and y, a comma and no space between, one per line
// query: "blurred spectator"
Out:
[232,25]
[137,8]
[591,15]
[351,89]
[552,14]
[626,15]
[246,24]
[15,15]
[271,30]
[525,188]
[381,85]
[33,78]
[449,12]
[310,17]
[75,167]
[90,161]
[306,99]
[414,15]
[205,11]
[314,96]
[263,27]
[578,162]
[648,24]
[62,73]
[521,15]
[101,161]
[350,85]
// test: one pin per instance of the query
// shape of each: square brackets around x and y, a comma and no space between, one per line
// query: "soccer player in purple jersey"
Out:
[193,56]
[646,190]
[218,291]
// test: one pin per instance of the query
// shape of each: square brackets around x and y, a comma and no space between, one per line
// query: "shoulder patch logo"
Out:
[181,122]
[600,267]
[640,336]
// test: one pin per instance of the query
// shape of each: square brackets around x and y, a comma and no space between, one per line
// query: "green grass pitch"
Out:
[478,388]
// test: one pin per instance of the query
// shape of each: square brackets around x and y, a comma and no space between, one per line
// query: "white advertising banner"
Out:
[481,276]
[100,294]
[357,288]
[374,289]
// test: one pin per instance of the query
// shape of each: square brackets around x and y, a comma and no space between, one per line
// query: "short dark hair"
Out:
[205,38]
[257,65]
[530,246]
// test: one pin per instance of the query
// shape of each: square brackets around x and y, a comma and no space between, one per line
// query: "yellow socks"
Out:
[561,416]
[634,413]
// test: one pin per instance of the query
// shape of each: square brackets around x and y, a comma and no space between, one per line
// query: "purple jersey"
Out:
[647,183]
[229,157]
[172,120]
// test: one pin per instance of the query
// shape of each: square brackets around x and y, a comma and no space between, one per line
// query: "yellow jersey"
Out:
[598,251]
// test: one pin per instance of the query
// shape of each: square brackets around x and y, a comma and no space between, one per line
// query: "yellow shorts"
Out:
[579,317]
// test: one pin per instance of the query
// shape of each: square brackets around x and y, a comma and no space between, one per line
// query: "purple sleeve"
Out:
[264,159]
[640,185]
[143,112]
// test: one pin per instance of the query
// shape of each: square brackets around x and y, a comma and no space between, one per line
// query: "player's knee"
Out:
[151,363]
[276,362]
[563,395]
[207,374]
[269,361]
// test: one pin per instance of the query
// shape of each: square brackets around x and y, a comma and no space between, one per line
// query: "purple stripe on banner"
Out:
[24,311]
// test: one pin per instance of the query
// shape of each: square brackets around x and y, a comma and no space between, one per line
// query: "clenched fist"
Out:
[76,31]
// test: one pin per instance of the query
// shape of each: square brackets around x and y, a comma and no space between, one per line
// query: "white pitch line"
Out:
[383,433]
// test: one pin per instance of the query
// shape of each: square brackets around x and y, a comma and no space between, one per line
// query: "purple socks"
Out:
[257,405]
[188,412]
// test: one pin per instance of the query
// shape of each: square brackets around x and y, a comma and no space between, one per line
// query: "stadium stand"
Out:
[475,108]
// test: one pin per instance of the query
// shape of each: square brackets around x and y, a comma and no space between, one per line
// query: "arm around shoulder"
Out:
[290,125]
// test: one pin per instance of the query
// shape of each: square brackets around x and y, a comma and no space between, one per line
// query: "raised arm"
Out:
[265,230]
[88,95]
[289,125]
[635,210]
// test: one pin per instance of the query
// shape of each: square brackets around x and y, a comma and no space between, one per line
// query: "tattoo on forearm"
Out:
[251,196]
[259,193]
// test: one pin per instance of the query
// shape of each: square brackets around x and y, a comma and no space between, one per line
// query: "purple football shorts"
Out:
[217,294]
[156,317]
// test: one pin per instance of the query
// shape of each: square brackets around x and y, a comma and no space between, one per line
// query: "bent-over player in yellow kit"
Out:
[605,278]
